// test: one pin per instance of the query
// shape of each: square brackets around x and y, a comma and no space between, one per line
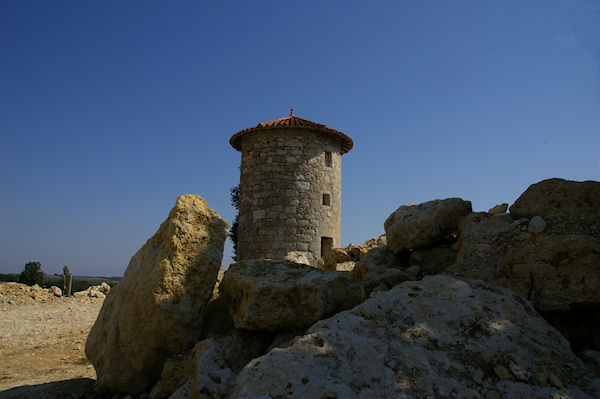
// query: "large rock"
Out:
[498,209]
[358,251]
[561,198]
[211,367]
[217,320]
[345,259]
[334,257]
[439,337]
[376,262]
[556,270]
[433,260]
[380,269]
[426,224]
[156,309]
[281,295]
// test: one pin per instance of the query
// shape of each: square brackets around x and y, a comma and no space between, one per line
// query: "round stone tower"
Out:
[290,189]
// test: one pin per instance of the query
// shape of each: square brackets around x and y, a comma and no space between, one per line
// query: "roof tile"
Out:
[288,122]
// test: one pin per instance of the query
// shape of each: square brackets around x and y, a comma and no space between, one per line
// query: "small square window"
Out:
[328,159]
[327,199]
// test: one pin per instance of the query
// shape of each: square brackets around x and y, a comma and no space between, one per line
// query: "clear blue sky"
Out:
[111,109]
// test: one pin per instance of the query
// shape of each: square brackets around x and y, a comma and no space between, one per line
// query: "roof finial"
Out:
[292,112]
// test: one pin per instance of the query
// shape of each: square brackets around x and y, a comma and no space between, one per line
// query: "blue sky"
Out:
[110,110]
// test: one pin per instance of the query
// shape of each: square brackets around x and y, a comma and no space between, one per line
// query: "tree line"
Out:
[33,274]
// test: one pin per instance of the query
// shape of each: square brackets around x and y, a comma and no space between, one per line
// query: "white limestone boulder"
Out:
[273,295]
[439,337]
[156,309]
[104,288]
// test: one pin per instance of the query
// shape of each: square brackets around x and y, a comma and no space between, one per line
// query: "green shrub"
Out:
[10,277]
[32,274]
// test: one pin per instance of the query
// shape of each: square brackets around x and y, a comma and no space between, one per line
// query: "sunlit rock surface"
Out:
[156,309]
[439,337]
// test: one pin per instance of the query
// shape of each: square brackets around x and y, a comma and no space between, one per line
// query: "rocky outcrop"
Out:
[375,262]
[419,241]
[426,224]
[439,337]
[334,257]
[358,251]
[380,269]
[217,320]
[211,367]
[297,257]
[17,293]
[547,250]
[433,260]
[555,268]
[156,309]
[94,291]
[498,209]
[54,290]
[559,197]
[281,295]
[443,336]
[345,259]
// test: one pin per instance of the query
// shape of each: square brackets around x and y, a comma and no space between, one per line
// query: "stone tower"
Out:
[290,189]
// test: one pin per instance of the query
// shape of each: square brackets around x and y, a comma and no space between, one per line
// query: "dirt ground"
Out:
[42,341]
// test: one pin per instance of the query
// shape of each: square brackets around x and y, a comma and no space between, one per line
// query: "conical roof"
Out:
[292,122]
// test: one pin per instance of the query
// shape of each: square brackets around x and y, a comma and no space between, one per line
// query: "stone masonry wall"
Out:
[283,180]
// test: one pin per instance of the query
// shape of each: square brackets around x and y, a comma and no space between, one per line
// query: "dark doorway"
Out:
[326,245]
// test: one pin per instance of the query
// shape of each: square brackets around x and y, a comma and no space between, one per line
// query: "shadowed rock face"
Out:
[547,250]
[559,197]
[439,337]
[556,269]
[426,224]
[74,388]
[275,295]
[156,309]
[381,269]
[211,366]
[579,325]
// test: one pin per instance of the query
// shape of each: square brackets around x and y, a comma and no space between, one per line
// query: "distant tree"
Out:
[32,274]
[233,232]
[13,278]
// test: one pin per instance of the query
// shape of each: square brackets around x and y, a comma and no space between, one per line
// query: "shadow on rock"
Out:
[75,388]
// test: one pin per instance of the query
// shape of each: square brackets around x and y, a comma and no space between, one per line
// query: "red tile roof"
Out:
[292,122]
